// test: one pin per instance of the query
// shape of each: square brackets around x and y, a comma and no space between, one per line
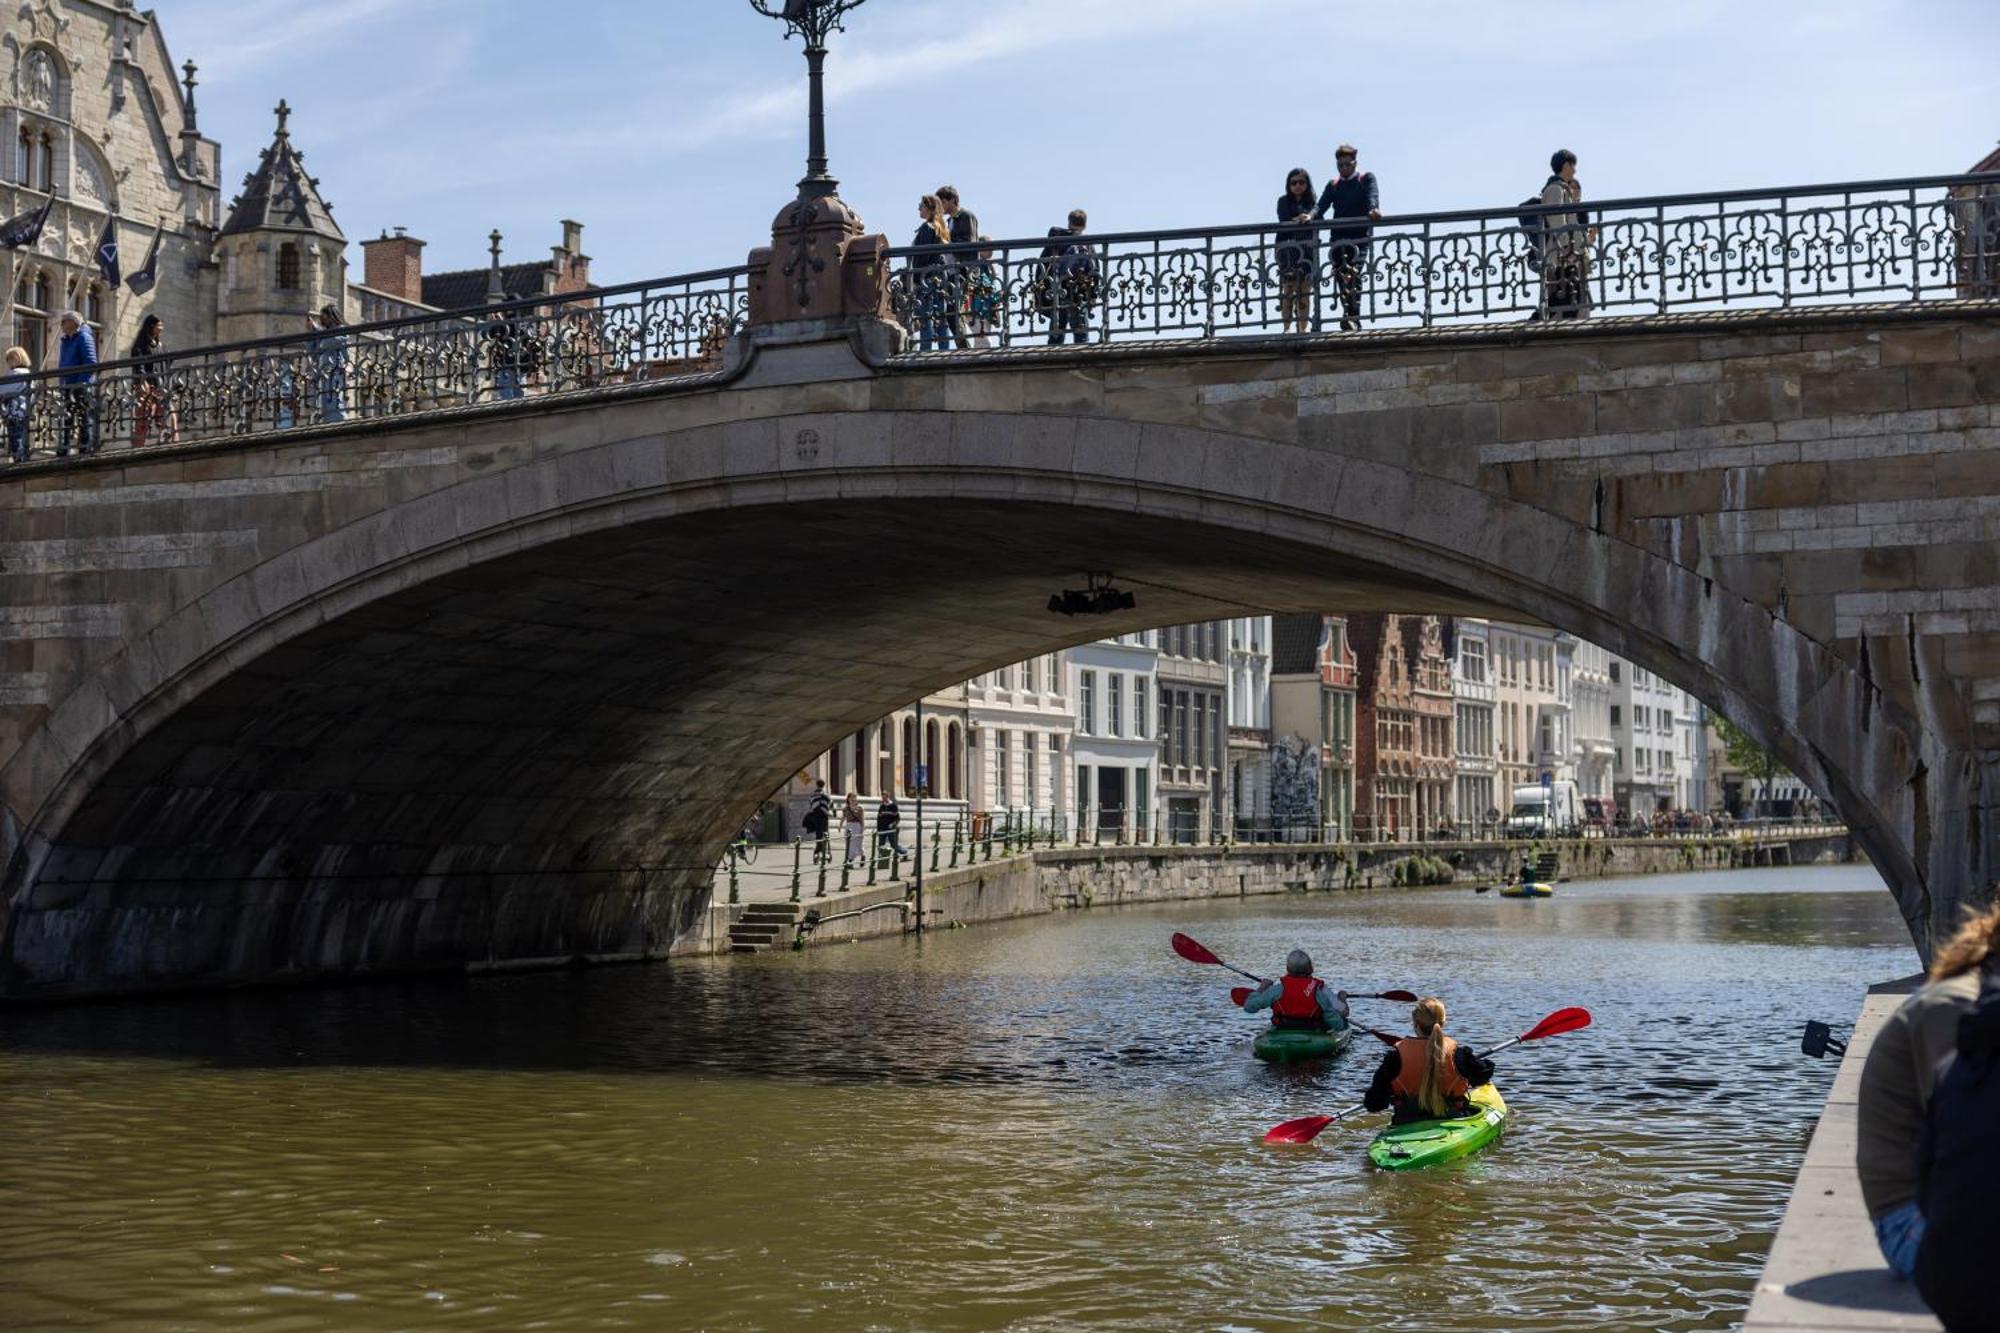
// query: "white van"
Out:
[1554,811]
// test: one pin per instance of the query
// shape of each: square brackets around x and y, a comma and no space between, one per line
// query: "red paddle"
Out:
[1306,1128]
[1195,952]
[1239,994]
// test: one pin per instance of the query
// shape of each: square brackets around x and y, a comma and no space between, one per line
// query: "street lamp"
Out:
[812,20]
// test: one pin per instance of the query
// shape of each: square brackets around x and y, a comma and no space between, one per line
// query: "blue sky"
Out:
[675,129]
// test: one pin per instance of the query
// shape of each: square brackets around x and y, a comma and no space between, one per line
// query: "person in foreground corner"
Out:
[1428,1076]
[1299,1000]
[1896,1084]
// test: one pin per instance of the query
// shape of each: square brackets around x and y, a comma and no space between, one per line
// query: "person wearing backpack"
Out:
[1958,1157]
[1897,1081]
[1067,286]
[1566,239]
[1352,195]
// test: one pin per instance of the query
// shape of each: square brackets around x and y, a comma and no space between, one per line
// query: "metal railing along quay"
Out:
[1912,240]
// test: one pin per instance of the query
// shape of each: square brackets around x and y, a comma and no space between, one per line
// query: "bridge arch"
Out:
[515,716]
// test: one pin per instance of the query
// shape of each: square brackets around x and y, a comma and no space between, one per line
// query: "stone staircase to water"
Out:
[763,926]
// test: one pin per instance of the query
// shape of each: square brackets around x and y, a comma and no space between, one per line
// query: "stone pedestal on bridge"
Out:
[819,266]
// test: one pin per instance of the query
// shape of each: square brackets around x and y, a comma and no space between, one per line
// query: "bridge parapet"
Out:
[1920,241]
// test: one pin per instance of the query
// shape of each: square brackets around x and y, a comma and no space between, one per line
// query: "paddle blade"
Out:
[1303,1130]
[1405,997]
[1238,994]
[1192,950]
[1562,1020]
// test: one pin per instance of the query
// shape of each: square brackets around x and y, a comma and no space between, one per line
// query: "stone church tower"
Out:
[281,253]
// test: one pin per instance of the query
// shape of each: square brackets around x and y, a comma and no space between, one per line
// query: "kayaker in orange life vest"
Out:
[1427,1076]
[1300,1001]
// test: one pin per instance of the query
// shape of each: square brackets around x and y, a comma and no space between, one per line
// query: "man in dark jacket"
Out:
[889,819]
[79,391]
[964,227]
[1067,286]
[818,816]
[1351,194]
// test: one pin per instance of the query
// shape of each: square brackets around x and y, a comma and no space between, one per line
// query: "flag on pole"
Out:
[26,229]
[142,281]
[107,251]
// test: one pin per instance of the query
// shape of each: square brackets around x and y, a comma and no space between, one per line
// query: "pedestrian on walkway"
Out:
[931,282]
[1566,242]
[152,409]
[855,824]
[16,398]
[818,816]
[1353,200]
[77,354]
[962,230]
[888,825]
[1897,1080]
[1066,285]
[1298,253]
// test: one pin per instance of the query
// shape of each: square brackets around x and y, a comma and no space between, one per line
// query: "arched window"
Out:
[31,317]
[863,770]
[24,157]
[910,759]
[836,772]
[288,267]
[932,787]
[955,763]
[45,163]
[94,308]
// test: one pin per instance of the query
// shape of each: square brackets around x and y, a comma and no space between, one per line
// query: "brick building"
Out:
[1405,762]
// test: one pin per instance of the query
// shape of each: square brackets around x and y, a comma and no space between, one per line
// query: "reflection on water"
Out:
[1028,1126]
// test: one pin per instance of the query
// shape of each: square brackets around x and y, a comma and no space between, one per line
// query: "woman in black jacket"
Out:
[1298,251]
[931,285]
[151,408]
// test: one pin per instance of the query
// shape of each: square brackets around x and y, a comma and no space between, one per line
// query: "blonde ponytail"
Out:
[1428,1018]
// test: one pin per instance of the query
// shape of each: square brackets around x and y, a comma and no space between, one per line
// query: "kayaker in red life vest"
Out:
[1299,1000]
[1427,1076]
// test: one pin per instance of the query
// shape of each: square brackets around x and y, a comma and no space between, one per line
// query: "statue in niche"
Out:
[38,81]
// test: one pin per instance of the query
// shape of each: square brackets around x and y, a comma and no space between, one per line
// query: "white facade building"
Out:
[1653,768]
[1532,706]
[1020,720]
[1476,796]
[1591,695]
[1114,753]
[1247,706]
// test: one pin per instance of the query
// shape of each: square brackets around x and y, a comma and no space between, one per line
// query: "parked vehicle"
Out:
[1600,815]
[1554,811]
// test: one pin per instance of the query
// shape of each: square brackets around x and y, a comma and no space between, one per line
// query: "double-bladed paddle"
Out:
[1197,952]
[1306,1128]
[1239,994]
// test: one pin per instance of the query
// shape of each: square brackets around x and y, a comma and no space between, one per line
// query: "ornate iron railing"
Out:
[1919,239]
[540,346]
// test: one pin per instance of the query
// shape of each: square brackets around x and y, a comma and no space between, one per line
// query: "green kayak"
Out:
[1284,1045]
[1424,1143]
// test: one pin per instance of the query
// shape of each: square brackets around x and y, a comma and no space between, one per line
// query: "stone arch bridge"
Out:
[492,684]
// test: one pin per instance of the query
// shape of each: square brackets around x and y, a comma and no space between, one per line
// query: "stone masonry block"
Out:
[1856,391]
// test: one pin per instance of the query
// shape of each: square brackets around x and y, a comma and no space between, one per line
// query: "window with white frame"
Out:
[1114,702]
[1086,703]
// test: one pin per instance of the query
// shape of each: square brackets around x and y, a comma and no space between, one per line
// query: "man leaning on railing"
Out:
[78,353]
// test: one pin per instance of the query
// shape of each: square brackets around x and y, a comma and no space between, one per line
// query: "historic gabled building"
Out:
[98,125]
[1312,722]
[1405,763]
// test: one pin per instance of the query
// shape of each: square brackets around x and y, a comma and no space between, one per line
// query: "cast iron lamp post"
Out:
[812,20]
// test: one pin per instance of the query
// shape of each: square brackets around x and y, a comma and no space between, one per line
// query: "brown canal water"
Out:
[1041,1125]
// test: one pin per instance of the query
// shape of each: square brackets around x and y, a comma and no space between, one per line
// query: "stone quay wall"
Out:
[1067,879]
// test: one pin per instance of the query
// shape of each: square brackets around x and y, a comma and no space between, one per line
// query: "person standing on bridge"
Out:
[16,397]
[962,230]
[931,282]
[1566,244]
[1353,196]
[329,351]
[152,409]
[1300,1001]
[78,353]
[1066,286]
[1298,252]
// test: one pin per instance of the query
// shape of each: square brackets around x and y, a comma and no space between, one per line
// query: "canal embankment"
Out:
[1825,1271]
[1049,880]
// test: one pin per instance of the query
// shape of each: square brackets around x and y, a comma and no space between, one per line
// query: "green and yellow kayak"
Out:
[1520,890]
[1424,1143]
[1283,1046]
